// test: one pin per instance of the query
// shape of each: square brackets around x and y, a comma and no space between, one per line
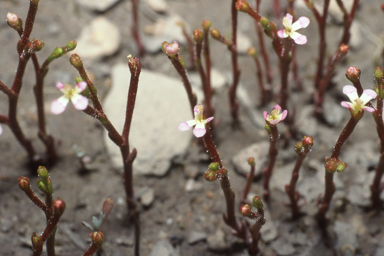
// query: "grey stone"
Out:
[164,248]
[217,242]
[337,111]
[257,150]
[306,122]
[346,234]
[98,39]
[161,105]
[268,230]
[218,80]
[126,241]
[191,171]
[358,195]
[6,225]
[165,29]
[192,185]
[243,43]
[196,236]
[356,38]
[249,105]
[282,176]
[157,5]
[335,11]
[362,155]
[147,197]
[282,247]
[97,5]
[379,251]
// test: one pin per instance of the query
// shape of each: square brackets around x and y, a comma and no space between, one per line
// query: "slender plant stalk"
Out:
[135,28]
[251,162]
[273,137]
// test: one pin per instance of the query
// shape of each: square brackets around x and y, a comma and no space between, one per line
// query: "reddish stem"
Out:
[135,28]
[273,137]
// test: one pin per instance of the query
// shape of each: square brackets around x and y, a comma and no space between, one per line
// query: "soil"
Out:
[174,212]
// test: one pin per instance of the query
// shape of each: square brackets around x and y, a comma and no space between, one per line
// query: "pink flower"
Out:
[199,122]
[357,104]
[172,49]
[275,117]
[70,94]
[290,29]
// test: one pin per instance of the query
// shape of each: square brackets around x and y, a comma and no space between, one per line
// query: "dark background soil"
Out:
[200,210]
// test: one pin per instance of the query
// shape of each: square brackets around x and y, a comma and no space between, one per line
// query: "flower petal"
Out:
[351,92]
[79,102]
[277,106]
[282,34]
[369,109]
[184,126]
[209,119]
[284,115]
[368,95]
[287,20]
[199,132]
[302,22]
[274,122]
[59,85]
[346,104]
[81,85]
[265,115]
[58,106]
[301,39]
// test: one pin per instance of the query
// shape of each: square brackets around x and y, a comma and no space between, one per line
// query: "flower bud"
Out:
[171,50]
[37,45]
[78,79]
[353,74]
[299,148]
[24,183]
[330,164]
[242,6]
[206,25]
[76,61]
[58,207]
[257,203]
[251,161]
[341,166]
[307,141]
[97,237]
[35,239]
[14,22]
[264,23]
[222,172]
[42,186]
[71,45]
[198,35]
[42,172]
[210,175]
[214,166]
[378,74]
[343,48]
[215,33]
[252,51]
[245,210]
[309,4]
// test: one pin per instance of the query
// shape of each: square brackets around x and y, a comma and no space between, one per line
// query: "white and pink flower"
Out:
[199,122]
[70,94]
[358,104]
[290,29]
[276,115]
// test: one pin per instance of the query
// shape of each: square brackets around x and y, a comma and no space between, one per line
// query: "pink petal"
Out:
[209,119]
[302,39]
[199,132]
[80,102]
[184,126]
[82,85]
[277,106]
[274,122]
[59,85]
[303,21]
[369,109]
[57,107]
[265,115]
[349,89]
[281,33]
[346,104]
[368,95]
[289,16]
[1,129]
[285,113]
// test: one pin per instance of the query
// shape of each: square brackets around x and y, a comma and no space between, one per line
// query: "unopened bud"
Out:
[343,48]
[76,61]
[341,166]
[309,4]
[245,210]
[35,239]
[43,172]
[215,33]
[107,207]
[198,35]
[257,203]
[353,74]
[378,74]
[307,141]
[71,45]
[58,206]
[24,183]
[14,21]
[264,23]
[299,148]
[251,161]
[242,6]
[37,45]
[206,25]
[222,172]
[214,166]
[97,237]
[172,50]
[210,175]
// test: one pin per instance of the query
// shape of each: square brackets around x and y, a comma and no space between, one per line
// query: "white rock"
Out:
[249,105]
[147,197]
[157,5]
[259,151]
[218,80]
[356,39]
[192,185]
[161,105]
[268,230]
[97,5]
[165,29]
[98,39]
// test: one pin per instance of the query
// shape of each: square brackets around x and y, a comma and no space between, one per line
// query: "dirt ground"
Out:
[174,212]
